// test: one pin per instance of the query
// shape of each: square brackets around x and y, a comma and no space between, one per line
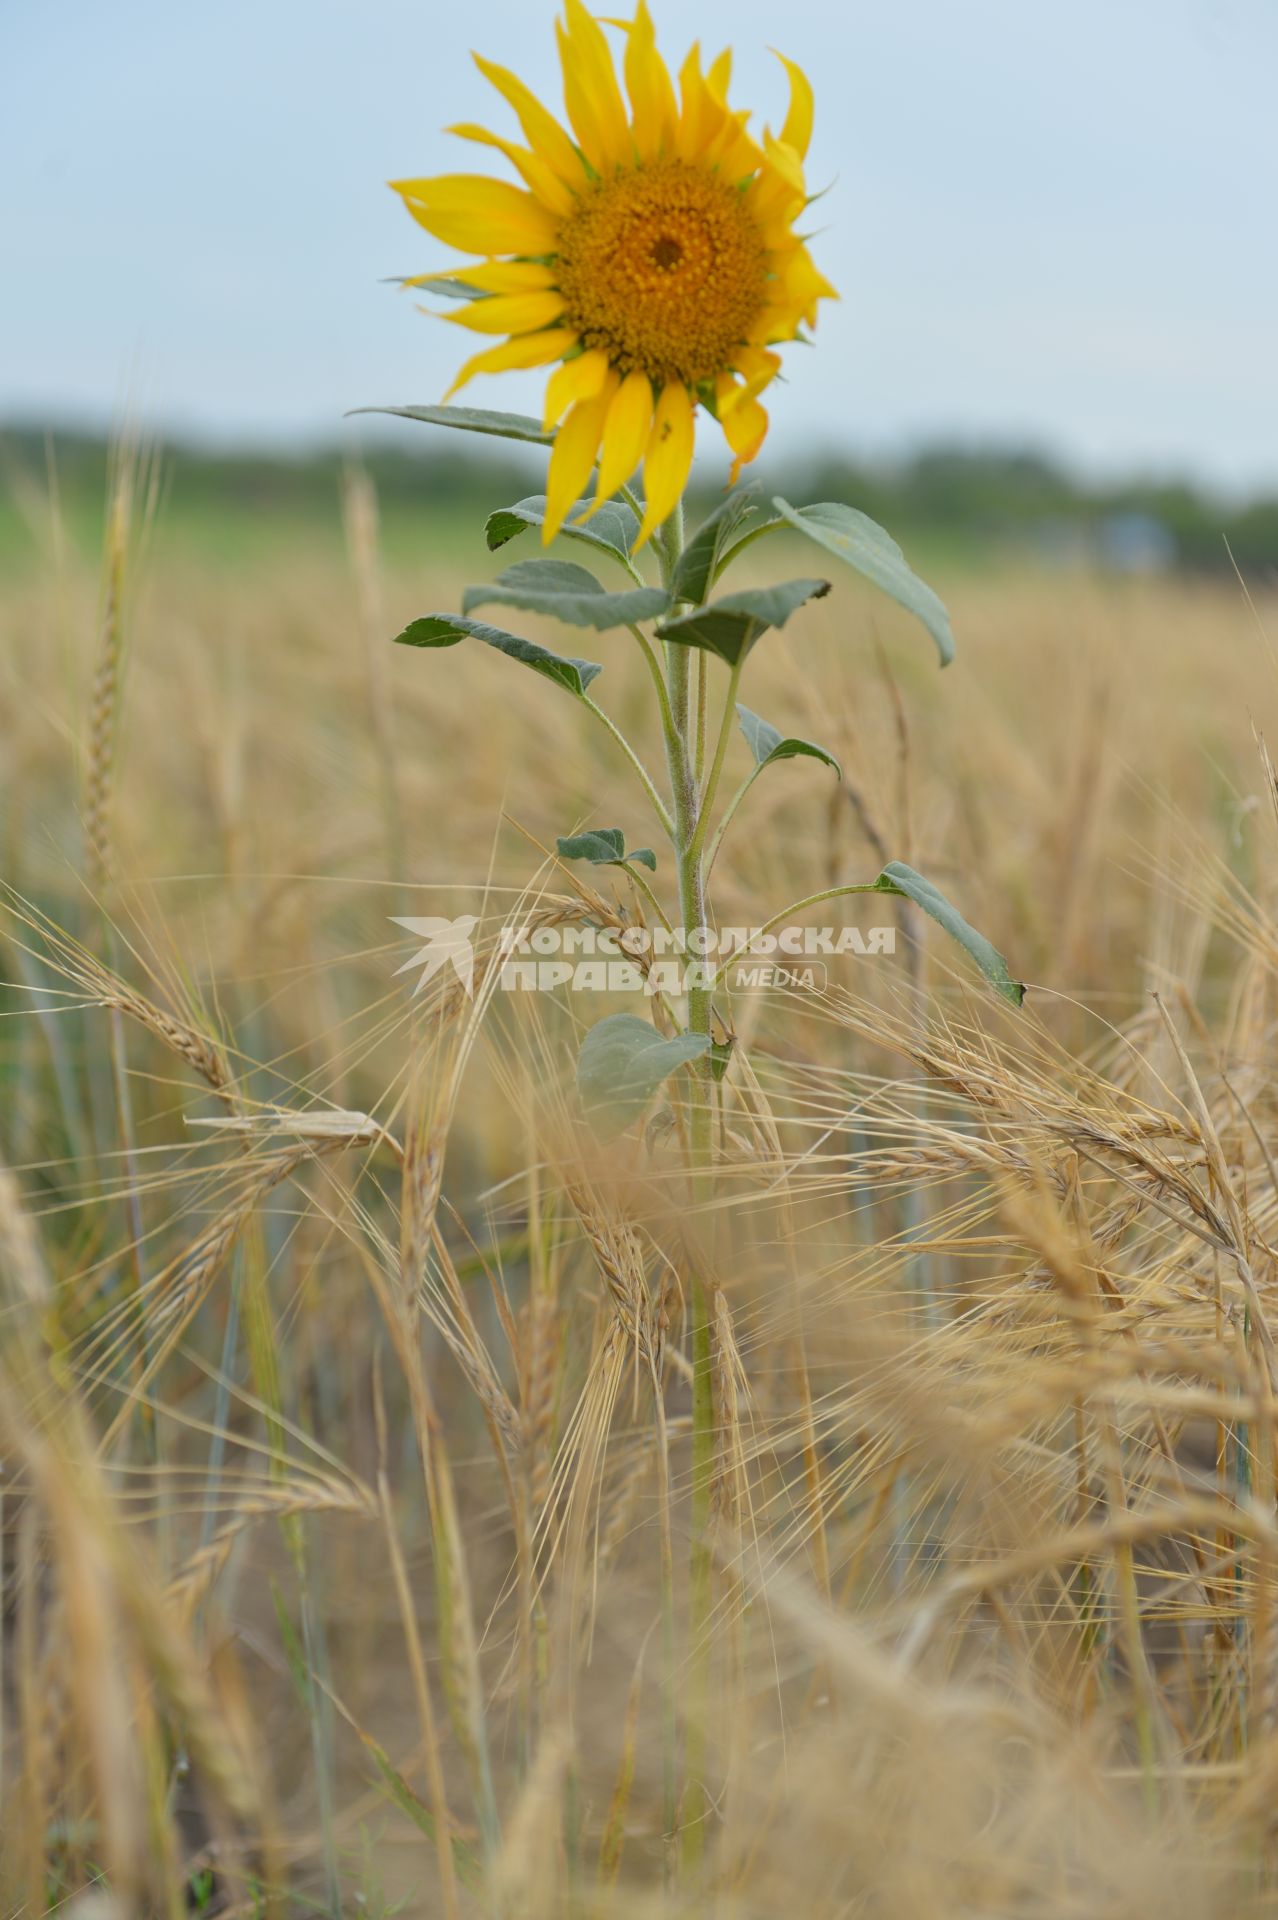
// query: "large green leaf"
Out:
[566,592]
[897,878]
[604,847]
[613,529]
[446,629]
[622,1063]
[864,545]
[730,626]
[698,564]
[767,744]
[506,426]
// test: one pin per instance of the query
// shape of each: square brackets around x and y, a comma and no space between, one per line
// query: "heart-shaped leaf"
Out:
[864,545]
[446,629]
[604,847]
[698,564]
[730,626]
[565,591]
[506,426]
[613,529]
[897,878]
[622,1063]
[767,744]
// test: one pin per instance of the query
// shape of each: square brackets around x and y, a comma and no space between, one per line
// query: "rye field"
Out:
[346,1369]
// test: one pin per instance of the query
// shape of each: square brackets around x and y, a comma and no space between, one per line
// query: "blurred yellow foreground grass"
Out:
[343,1390]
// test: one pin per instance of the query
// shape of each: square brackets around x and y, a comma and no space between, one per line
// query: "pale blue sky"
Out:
[1049,221]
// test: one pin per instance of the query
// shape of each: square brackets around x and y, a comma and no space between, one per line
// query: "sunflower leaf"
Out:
[613,528]
[604,847]
[447,629]
[767,743]
[700,562]
[622,1063]
[442,285]
[506,426]
[566,592]
[874,554]
[730,626]
[897,878]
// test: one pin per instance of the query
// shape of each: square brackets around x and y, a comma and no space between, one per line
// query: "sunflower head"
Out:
[649,258]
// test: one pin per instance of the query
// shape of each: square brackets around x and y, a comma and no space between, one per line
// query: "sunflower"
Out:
[649,257]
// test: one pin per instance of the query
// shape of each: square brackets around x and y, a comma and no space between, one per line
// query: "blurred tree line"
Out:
[976,503]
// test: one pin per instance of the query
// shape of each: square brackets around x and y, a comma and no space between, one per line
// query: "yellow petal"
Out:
[541,130]
[756,368]
[509,313]
[787,163]
[573,455]
[579,379]
[669,458]
[719,74]
[591,93]
[530,350]
[745,426]
[797,131]
[733,151]
[651,90]
[701,115]
[777,196]
[798,287]
[479,215]
[537,173]
[501,276]
[625,435]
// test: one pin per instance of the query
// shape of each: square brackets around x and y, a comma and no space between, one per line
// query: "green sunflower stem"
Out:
[688,805]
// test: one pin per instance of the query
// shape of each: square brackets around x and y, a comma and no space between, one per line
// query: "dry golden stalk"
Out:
[542,1321]
[360,520]
[199,1051]
[456,1325]
[728,1482]
[614,1833]
[624,1504]
[619,1254]
[104,708]
[425,1708]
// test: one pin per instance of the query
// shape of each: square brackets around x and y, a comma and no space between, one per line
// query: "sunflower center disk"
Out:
[665,270]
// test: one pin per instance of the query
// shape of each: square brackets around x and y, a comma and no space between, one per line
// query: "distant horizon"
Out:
[384,435]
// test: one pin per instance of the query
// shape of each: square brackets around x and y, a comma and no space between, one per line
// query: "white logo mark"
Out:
[446,941]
